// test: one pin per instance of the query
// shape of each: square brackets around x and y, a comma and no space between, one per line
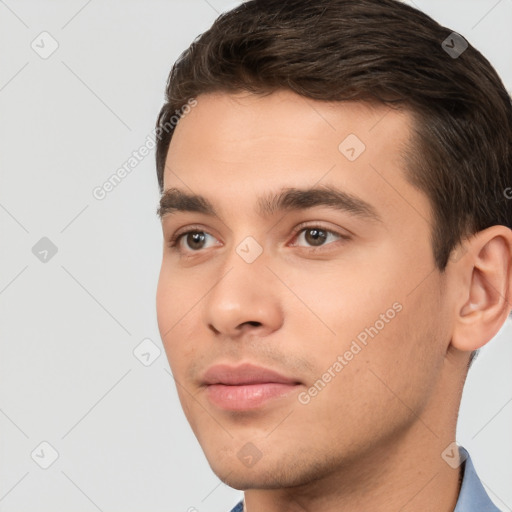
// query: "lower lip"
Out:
[247,396]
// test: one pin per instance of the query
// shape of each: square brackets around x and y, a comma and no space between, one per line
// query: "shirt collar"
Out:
[472,495]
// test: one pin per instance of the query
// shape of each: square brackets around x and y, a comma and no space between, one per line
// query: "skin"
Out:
[372,438]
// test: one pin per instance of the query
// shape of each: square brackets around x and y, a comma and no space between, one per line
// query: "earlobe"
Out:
[486,273]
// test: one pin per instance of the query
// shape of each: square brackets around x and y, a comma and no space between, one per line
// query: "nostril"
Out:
[216,331]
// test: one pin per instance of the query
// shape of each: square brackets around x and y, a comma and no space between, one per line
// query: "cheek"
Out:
[360,312]
[373,381]
[165,302]
[342,298]
[174,302]
[177,295]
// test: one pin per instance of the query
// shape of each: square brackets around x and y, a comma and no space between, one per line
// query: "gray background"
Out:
[70,324]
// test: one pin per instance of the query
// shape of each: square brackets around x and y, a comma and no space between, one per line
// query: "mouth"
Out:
[245,387]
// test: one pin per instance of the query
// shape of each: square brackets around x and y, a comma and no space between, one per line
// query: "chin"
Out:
[249,478]
[266,474]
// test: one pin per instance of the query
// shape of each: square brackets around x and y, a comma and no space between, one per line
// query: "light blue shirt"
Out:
[472,496]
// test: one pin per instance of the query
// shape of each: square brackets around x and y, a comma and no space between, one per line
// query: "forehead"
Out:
[244,118]
[233,148]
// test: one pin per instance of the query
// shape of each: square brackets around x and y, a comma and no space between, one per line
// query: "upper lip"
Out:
[243,374]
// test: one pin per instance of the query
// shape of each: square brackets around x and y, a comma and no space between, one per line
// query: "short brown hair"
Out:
[370,50]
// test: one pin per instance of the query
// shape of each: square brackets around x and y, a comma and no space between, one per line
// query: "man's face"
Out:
[343,302]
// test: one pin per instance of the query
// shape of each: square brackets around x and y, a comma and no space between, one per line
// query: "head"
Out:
[396,289]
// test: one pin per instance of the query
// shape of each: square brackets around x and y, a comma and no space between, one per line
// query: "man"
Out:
[337,248]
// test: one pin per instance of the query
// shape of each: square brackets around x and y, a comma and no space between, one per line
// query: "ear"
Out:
[484,274]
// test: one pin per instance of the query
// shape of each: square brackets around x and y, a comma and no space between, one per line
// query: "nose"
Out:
[245,299]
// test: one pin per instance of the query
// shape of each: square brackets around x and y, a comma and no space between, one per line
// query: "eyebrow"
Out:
[287,199]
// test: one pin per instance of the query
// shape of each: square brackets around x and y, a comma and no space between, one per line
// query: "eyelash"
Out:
[174,242]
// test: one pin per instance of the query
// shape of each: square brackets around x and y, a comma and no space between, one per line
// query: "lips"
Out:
[246,386]
[243,374]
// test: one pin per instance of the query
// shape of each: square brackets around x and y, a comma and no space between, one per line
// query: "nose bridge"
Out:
[242,272]
[243,291]
[247,260]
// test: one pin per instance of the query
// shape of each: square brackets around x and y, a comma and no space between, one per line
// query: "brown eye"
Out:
[195,239]
[316,236]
